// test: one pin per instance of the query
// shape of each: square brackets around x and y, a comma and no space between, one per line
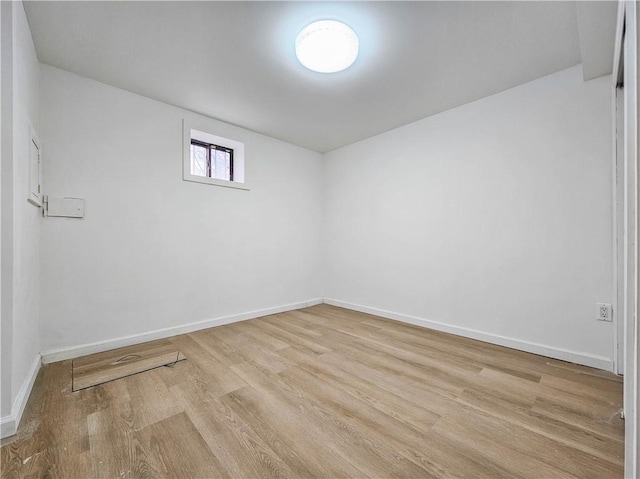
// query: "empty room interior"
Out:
[319,239]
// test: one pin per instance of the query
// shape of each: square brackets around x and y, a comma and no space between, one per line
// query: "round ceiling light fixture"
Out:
[327,46]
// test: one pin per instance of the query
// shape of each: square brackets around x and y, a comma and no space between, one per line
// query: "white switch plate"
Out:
[64,207]
[603,312]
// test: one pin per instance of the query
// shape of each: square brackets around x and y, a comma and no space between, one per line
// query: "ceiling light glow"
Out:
[327,46]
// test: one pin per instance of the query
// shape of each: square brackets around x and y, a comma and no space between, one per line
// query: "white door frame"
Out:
[626,234]
[618,225]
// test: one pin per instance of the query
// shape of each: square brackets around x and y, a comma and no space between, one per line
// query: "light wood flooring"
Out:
[326,393]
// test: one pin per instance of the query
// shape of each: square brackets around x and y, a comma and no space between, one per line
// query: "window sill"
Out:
[215,182]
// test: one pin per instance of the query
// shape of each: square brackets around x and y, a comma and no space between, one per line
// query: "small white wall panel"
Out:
[65,207]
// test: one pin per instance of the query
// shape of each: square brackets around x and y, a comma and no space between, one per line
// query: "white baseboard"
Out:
[9,424]
[72,352]
[585,359]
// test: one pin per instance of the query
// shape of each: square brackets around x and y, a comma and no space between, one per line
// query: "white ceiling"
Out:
[235,60]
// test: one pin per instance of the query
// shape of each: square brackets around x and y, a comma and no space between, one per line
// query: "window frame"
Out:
[209,147]
[200,134]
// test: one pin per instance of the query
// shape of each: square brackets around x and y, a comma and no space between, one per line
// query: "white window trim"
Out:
[191,130]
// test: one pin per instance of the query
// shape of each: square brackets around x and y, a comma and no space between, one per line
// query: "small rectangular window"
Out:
[211,161]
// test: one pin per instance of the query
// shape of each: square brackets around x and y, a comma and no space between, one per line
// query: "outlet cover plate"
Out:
[603,312]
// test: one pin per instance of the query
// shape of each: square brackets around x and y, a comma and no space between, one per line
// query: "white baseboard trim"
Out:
[585,359]
[9,424]
[72,352]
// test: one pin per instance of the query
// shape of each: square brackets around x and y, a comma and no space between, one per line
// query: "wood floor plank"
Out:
[593,419]
[99,368]
[274,343]
[226,433]
[280,332]
[367,454]
[248,350]
[283,432]
[409,442]
[151,400]
[438,402]
[92,377]
[387,402]
[612,394]
[172,448]
[296,324]
[109,442]
[107,357]
[512,460]
[594,443]
[211,340]
[325,392]
[298,354]
[549,457]
[206,367]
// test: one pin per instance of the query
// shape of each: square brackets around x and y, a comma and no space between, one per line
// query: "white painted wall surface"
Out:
[494,216]
[26,221]
[20,220]
[155,251]
[6,189]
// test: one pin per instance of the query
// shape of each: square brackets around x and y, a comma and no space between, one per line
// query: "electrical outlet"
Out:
[603,312]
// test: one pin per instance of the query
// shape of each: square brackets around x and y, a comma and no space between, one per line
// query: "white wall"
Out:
[491,218]
[6,192]
[155,251]
[20,220]
[26,241]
